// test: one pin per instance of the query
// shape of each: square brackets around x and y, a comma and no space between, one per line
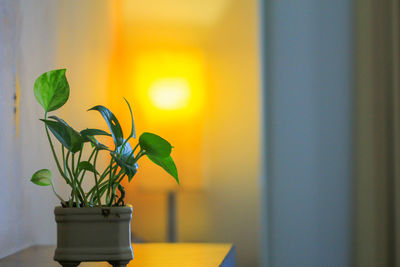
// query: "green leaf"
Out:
[92,132]
[129,168]
[59,132]
[64,133]
[167,164]
[76,140]
[112,123]
[93,141]
[42,177]
[125,150]
[155,145]
[125,158]
[96,144]
[86,165]
[51,89]
[133,132]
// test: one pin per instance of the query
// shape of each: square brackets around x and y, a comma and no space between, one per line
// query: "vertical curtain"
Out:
[377,134]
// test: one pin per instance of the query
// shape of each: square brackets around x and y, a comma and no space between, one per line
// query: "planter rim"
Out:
[58,210]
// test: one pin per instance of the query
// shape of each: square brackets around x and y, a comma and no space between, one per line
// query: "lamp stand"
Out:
[171,202]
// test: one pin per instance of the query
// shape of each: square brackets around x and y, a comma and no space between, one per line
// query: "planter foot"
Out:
[119,263]
[69,263]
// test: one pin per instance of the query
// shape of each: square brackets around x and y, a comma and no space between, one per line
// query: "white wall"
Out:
[308,129]
[27,46]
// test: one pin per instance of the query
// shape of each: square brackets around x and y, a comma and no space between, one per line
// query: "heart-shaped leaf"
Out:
[86,165]
[167,164]
[64,133]
[42,177]
[51,89]
[112,123]
[92,132]
[133,132]
[155,145]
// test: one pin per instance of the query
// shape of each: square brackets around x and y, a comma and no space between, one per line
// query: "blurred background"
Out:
[284,117]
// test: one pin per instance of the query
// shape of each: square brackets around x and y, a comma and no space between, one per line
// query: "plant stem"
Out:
[123,145]
[70,203]
[104,174]
[91,191]
[74,193]
[95,178]
[139,155]
[57,195]
[63,156]
[101,184]
[73,166]
[54,152]
[79,160]
[135,147]
[78,189]
[114,190]
[112,175]
[102,189]
[84,171]
[116,179]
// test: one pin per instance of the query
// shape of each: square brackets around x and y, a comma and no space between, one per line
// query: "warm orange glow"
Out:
[171,82]
[165,81]
[170,93]
[168,87]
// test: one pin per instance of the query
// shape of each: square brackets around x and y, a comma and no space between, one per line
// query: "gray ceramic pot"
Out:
[93,234]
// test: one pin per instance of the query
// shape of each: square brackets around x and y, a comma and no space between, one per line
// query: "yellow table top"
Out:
[145,255]
[179,254]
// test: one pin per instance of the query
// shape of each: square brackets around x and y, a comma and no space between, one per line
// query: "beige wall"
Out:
[233,134]
[84,45]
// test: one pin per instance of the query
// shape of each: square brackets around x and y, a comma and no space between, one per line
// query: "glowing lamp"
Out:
[168,87]
[170,93]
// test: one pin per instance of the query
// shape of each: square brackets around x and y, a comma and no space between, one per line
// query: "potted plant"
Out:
[93,224]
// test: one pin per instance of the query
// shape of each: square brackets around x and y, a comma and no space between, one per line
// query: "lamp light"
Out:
[168,88]
[170,93]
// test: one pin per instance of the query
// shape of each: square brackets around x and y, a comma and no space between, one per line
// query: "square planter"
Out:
[93,234]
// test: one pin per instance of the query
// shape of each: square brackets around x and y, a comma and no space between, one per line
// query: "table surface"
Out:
[145,255]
